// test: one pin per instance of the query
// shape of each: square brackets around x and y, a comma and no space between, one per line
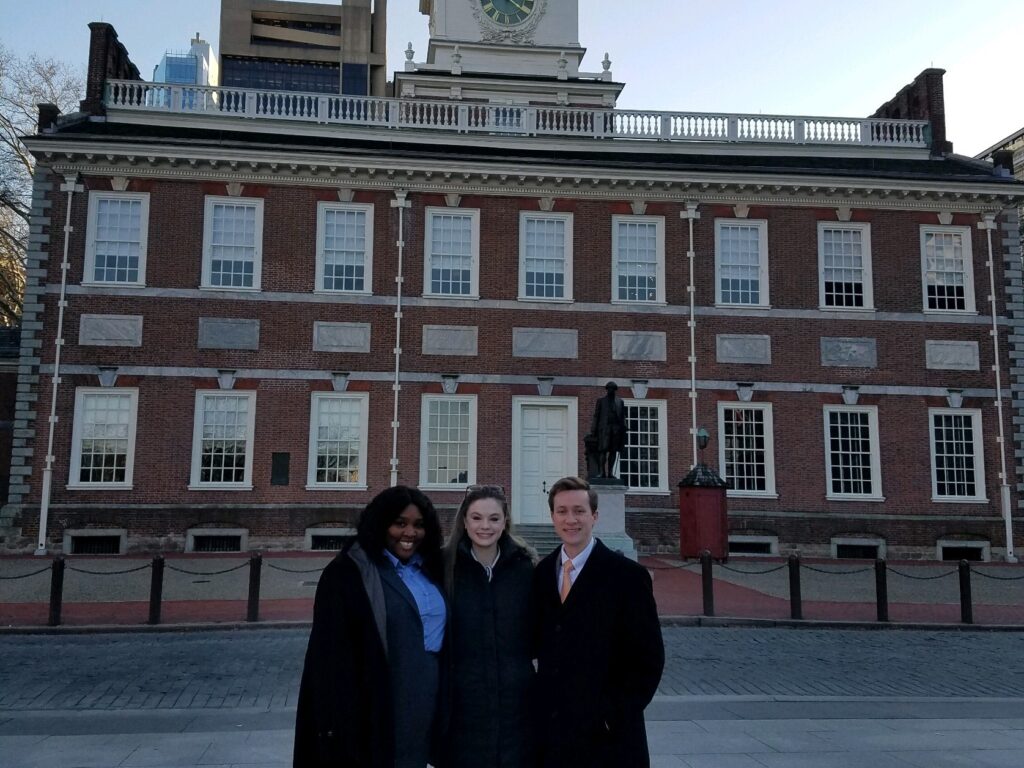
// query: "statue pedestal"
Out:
[611,518]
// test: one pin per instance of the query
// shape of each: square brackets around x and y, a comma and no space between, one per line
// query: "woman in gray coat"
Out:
[488,573]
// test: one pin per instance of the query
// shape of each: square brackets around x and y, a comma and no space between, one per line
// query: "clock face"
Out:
[508,12]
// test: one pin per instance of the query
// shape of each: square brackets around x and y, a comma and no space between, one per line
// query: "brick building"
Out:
[278,304]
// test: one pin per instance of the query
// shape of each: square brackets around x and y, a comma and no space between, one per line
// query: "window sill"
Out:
[639,303]
[546,299]
[959,500]
[111,284]
[952,312]
[99,487]
[336,487]
[452,488]
[648,492]
[452,296]
[721,305]
[857,310]
[851,497]
[217,487]
[751,494]
[330,292]
[229,289]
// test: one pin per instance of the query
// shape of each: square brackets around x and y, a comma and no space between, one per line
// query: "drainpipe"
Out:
[70,187]
[401,203]
[691,215]
[988,223]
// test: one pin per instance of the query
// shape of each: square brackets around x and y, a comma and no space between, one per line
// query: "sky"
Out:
[789,57]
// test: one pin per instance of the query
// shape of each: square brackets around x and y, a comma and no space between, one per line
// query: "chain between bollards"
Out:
[966,608]
[255,566]
[156,589]
[56,590]
[882,590]
[796,609]
[707,582]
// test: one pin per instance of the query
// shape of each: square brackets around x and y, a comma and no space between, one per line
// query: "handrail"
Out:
[514,120]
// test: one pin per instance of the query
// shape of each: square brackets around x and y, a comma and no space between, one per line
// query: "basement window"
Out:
[95,541]
[328,539]
[857,548]
[743,545]
[972,551]
[217,540]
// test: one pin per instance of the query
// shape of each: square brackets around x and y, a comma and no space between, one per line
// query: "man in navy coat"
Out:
[598,642]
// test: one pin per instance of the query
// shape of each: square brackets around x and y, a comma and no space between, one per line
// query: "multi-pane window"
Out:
[947,269]
[103,438]
[638,258]
[643,464]
[957,469]
[337,440]
[448,441]
[851,452]
[222,439]
[741,262]
[344,256]
[118,224]
[844,266]
[545,256]
[232,243]
[452,252]
[746,448]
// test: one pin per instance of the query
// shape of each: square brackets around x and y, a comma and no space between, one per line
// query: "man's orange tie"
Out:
[567,569]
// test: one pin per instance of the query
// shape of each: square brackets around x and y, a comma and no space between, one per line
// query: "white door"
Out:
[545,438]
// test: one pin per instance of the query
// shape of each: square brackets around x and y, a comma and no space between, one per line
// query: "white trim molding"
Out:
[103,436]
[745,284]
[323,209]
[196,482]
[342,435]
[96,198]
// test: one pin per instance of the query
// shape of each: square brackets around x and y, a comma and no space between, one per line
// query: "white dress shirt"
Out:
[577,562]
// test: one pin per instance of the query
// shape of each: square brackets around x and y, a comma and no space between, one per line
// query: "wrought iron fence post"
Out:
[56,590]
[881,590]
[156,589]
[707,583]
[796,610]
[255,566]
[966,609]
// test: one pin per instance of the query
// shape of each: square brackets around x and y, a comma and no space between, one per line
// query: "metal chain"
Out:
[920,578]
[752,573]
[836,573]
[293,570]
[997,578]
[109,573]
[206,573]
[24,575]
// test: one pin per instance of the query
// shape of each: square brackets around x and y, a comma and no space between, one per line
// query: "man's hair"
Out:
[572,484]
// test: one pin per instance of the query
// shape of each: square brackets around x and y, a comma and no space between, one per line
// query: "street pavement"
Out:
[730,698]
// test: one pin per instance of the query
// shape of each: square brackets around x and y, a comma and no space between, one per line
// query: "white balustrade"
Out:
[473,117]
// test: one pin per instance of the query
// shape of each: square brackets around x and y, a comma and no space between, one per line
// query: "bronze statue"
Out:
[607,435]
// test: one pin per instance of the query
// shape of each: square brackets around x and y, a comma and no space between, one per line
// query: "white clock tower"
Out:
[505,51]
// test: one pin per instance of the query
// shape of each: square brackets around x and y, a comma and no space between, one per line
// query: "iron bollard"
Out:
[881,590]
[796,609]
[56,590]
[707,582]
[966,609]
[156,589]
[255,566]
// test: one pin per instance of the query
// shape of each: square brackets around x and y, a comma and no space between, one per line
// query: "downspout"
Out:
[691,215]
[401,203]
[988,224]
[70,187]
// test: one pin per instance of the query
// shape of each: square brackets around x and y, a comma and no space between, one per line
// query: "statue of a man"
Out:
[607,431]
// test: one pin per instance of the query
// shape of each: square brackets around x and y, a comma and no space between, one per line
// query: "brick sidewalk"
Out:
[212,589]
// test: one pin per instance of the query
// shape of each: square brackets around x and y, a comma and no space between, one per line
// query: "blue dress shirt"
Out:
[433,613]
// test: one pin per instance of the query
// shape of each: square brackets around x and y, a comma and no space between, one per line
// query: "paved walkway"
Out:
[730,698]
[212,588]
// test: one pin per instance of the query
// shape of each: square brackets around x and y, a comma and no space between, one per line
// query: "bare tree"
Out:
[24,83]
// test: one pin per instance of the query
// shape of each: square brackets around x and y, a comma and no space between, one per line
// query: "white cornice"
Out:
[512,177]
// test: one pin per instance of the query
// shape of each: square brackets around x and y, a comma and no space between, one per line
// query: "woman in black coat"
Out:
[369,696]
[488,573]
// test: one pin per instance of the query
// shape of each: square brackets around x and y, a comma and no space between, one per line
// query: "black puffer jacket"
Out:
[491,662]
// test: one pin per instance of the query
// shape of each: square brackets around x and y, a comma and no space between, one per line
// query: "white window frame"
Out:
[876,465]
[769,448]
[424,434]
[763,287]
[363,398]
[983,544]
[257,267]
[979,456]
[474,270]
[662,408]
[865,244]
[322,209]
[76,438]
[524,216]
[968,251]
[197,442]
[88,276]
[659,222]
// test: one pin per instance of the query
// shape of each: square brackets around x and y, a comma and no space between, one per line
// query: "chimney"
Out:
[108,60]
[922,99]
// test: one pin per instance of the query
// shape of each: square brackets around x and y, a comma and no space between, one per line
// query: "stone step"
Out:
[541,537]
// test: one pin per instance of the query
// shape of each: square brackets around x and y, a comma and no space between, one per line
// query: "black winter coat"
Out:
[491,660]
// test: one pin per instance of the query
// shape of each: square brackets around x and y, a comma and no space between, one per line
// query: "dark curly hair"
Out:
[384,509]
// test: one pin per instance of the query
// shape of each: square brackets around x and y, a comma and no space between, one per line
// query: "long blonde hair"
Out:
[451,548]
